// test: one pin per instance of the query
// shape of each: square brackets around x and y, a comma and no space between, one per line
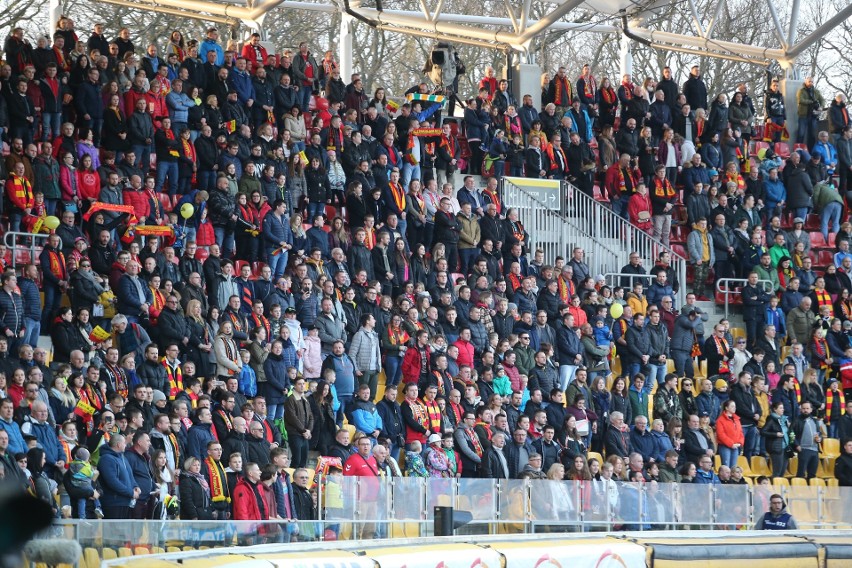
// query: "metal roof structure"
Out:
[511,27]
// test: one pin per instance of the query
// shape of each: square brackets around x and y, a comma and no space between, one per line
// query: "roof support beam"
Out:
[696,21]
[716,15]
[794,22]
[776,21]
[820,32]
[712,45]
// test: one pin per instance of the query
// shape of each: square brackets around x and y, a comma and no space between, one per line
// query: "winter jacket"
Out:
[116,478]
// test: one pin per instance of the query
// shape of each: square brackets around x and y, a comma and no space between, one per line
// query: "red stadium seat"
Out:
[758,146]
[680,250]
[831,239]
[825,257]
[238,266]
[165,202]
[256,267]
[817,240]
[202,254]
[799,146]
[782,149]
[679,234]
[330,212]
[599,195]
[812,223]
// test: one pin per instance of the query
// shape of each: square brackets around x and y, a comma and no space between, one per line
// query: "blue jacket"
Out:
[16,438]
[277,383]
[663,444]
[210,45]
[317,238]
[344,369]
[568,345]
[643,444]
[694,175]
[241,83]
[47,439]
[475,122]
[88,100]
[226,159]
[31,297]
[116,478]
[179,104]
[828,153]
[775,191]
[528,115]
[776,318]
[710,404]
[128,299]
[366,417]
[706,478]
[276,231]
[197,438]
[140,469]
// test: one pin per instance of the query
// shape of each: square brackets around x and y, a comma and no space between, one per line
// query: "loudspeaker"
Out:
[447,520]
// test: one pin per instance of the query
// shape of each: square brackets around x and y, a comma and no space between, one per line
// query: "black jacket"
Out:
[194,503]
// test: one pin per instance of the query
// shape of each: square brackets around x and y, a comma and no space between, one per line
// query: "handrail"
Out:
[11,239]
[728,291]
[555,233]
[603,221]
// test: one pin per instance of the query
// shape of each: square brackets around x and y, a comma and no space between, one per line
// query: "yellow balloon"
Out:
[761,154]
[51,222]
[187,210]
[616,310]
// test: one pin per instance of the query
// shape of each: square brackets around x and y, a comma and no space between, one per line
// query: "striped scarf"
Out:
[829,404]
[219,491]
[823,298]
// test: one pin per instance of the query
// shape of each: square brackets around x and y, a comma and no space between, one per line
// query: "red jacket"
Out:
[250,54]
[245,502]
[139,201]
[465,352]
[411,364]
[359,466]
[729,431]
[612,181]
[636,205]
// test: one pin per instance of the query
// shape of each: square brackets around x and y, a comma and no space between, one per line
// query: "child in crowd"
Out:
[81,478]
[248,378]
[414,466]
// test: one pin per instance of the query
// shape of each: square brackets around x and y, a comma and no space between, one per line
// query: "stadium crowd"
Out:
[219,317]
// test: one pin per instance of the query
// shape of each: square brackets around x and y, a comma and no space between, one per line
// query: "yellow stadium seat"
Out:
[832,482]
[749,481]
[825,470]
[351,429]
[780,482]
[109,554]
[759,466]
[737,332]
[830,448]
[817,482]
[798,482]
[124,552]
[670,367]
[595,455]
[91,558]
[792,467]
[173,549]
[742,461]
[717,462]
[786,350]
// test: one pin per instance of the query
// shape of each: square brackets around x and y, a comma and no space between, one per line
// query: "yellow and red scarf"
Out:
[397,337]
[398,195]
[829,404]
[823,298]
[663,188]
[560,85]
[433,412]
[722,349]
[219,492]
[175,379]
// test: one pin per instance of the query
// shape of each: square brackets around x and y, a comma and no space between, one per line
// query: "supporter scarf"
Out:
[434,414]
[784,277]
[518,231]
[589,86]
[722,349]
[823,298]
[189,153]
[370,238]
[260,321]
[829,404]
[552,152]
[450,144]
[628,90]
[392,156]
[119,378]
[171,136]
[495,199]
[797,387]
[513,124]
[736,178]
[430,148]
[85,409]
[821,351]
[398,195]
[66,452]
[57,264]
[561,90]
[474,439]
[219,492]
[486,427]
[457,411]
[230,352]
[608,94]
[418,412]
[175,377]
[409,157]
[227,419]
[157,303]
[699,127]
[175,446]
[154,203]
[566,289]
[397,337]
[663,188]
[514,281]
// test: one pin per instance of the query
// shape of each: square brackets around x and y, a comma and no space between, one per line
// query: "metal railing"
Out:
[366,508]
[729,291]
[17,242]
[555,234]
[599,220]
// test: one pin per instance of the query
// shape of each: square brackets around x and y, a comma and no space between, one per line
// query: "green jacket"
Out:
[823,195]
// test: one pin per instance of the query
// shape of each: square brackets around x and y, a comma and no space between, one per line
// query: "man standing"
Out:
[366,353]
[663,198]
[214,472]
[139,462]
[749,411]
[116,479]
[755,299]
[54,279]
[807,440]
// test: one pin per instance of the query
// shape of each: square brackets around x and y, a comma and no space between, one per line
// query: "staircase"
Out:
[581,221]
